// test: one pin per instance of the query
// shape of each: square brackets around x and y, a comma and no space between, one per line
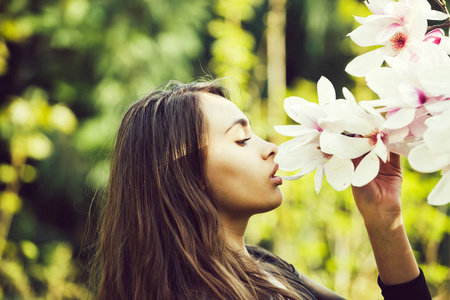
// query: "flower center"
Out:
[422,97]
[326,155]
[316,126]
[398,41]
[372,137]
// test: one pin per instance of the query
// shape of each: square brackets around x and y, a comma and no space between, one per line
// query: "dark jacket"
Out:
[416,289]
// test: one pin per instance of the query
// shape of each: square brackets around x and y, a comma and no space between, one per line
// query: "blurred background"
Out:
[70,68]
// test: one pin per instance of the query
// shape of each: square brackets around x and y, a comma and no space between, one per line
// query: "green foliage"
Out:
[69,68]
[233,48]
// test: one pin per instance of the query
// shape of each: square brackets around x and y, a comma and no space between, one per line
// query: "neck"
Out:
[235,233]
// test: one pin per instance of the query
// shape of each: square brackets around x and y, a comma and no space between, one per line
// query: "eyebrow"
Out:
[243,122]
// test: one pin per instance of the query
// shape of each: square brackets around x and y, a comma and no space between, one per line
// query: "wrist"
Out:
[393,254]
[384,221]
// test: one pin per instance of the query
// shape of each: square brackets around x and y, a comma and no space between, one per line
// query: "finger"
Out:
[395,160]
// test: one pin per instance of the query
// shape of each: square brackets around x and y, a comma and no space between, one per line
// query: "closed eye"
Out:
[243,142]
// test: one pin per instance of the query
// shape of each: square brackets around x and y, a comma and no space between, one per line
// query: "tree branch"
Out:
[430,28]
[443,5]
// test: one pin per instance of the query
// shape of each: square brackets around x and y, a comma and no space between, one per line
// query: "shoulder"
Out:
[315,288]
[263,255]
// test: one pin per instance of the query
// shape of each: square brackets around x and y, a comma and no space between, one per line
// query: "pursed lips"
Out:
[276,179]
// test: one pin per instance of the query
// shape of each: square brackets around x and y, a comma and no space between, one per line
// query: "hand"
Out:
[379,200]
[379,204]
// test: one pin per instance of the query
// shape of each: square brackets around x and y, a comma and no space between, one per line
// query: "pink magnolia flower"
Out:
[399,27]
[437,36]
[414,99]
[433,155]
[304,151]
[366,136]
[410,93]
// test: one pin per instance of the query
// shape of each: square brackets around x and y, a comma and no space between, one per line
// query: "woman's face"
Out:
[240,166]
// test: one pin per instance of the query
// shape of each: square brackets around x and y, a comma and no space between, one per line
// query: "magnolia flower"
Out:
[436,79]
[439,194]
[303,151]
[409,93]
[414,96]
[399,27]
[367,137]
[309,157]
[386,7]
[437,36]
[434,155]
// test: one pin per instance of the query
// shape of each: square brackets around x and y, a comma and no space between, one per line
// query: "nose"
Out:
[270,150]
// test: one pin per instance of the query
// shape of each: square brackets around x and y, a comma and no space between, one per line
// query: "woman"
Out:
[187,174]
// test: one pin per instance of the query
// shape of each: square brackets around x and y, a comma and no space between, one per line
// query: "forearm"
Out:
[393,254]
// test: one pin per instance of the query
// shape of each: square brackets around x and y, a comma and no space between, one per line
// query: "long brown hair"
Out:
[160,233]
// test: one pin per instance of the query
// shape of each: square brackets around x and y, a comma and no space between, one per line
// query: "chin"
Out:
[275,201]
[280,198]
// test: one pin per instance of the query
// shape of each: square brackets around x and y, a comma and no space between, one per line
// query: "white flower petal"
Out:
[318,178]
[385,102]
[360,20]
[375,9]
[347,115]
[339,172]
[295,130]
[362,126]
[387,32]
[422,159]
[437,107]
[412,95]
[440,195]
[384,81]
[400,148]
[417,29]
[299,141]
[309,167]
[293,177]
[292,156]
[325,91]
[379,3]
[372,115]
[418,4]
[380,149]
[445,44]
[292,105]
[401,67]
[436,15]
[337,117]
[398,9]
[441,119]
[401,118]
[362,64]
[348,95]
[436,80]
[303,112]
[431,55]
[367,170]
[374,28]
[343,146]
[418,127]
[364,35]
[436,135]
[397,135]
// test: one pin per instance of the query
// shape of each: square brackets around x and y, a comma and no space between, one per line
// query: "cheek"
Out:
[237,182]
[227,169]
[229,172]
